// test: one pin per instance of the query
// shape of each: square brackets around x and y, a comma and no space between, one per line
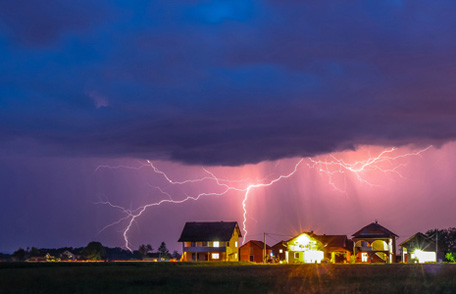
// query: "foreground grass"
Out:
[225,278]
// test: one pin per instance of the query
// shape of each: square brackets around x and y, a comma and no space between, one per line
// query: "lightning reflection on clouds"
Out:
[330,166]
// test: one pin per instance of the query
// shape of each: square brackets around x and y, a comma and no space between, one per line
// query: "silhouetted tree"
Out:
[19,255]
[144,249]
[164,252]
[35,252]
[446,240]
[94,251]
[176,255]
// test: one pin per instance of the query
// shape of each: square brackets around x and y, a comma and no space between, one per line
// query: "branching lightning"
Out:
[384,162]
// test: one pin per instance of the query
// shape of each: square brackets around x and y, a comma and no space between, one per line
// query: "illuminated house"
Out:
[210,241]
[304,248]
[253,251]
[375,243]
[418,249]
[313,248]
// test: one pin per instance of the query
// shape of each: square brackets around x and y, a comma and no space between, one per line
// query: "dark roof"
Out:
[332,240]
[282,244]
[208,231]
[259,244]
[373,230]
[419,240]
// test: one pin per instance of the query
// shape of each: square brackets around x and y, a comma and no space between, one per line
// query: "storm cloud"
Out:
[225,82]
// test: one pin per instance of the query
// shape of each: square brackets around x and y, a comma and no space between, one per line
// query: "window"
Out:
[236,244]
[363,257]
[280,251]
[296,255]
[251,258]
[193,256]
[193,244]
[215,255]
[204,244]
[235,256]
[216,244]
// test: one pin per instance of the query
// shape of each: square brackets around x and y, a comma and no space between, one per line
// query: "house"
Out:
[253,251]
[313,248]
[210,241]
[304,248]
[419,248]
[375,243]
[67,255]
[279,251]
[337,248]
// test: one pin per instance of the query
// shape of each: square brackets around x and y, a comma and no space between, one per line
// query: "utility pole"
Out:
[265,252]
[436,245]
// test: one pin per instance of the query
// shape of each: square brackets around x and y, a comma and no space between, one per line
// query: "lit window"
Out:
[235,255]
[235,244]
[216,244]
[280,251]
[215,255]
[363,257]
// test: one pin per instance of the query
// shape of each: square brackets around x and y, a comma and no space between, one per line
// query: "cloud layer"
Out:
[225,82]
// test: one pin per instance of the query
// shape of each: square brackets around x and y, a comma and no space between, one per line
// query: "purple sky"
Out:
[244,88]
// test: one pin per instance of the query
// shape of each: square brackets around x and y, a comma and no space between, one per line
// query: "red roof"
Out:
[259,244]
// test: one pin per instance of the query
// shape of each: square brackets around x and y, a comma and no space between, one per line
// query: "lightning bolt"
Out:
[327,167]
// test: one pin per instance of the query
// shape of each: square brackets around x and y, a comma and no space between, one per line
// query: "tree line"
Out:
[93,251]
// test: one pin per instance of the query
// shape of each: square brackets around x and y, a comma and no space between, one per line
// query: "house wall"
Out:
[232,248]
[373,254]
[251,252]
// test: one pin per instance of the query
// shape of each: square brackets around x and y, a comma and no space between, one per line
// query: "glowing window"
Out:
[280,251]
[215,255]
[216,244]
[235,244]
[364,257]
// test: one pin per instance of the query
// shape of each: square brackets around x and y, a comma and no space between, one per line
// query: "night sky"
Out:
[91,90]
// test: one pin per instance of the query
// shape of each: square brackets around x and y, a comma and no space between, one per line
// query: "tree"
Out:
[94,251]
[144,249]
[35,252]
[176,255]
[446,241]
[19,255]
[164,252]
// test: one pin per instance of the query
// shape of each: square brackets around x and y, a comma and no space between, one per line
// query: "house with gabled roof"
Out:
[419,248]
[210,241]
[253,251]
[279,251]
[309,247]
[375,243]
[337,248]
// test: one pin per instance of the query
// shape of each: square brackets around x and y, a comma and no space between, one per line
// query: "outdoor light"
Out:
[424,256]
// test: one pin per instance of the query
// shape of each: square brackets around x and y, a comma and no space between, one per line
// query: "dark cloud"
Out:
[226,82]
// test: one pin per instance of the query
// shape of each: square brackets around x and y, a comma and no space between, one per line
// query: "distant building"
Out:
[337,248]
[419,248]
[279,251]
[253,251]
[375,244]
[210,241]
[67,255]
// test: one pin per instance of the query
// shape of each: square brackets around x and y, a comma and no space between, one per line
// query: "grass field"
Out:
[224,278]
